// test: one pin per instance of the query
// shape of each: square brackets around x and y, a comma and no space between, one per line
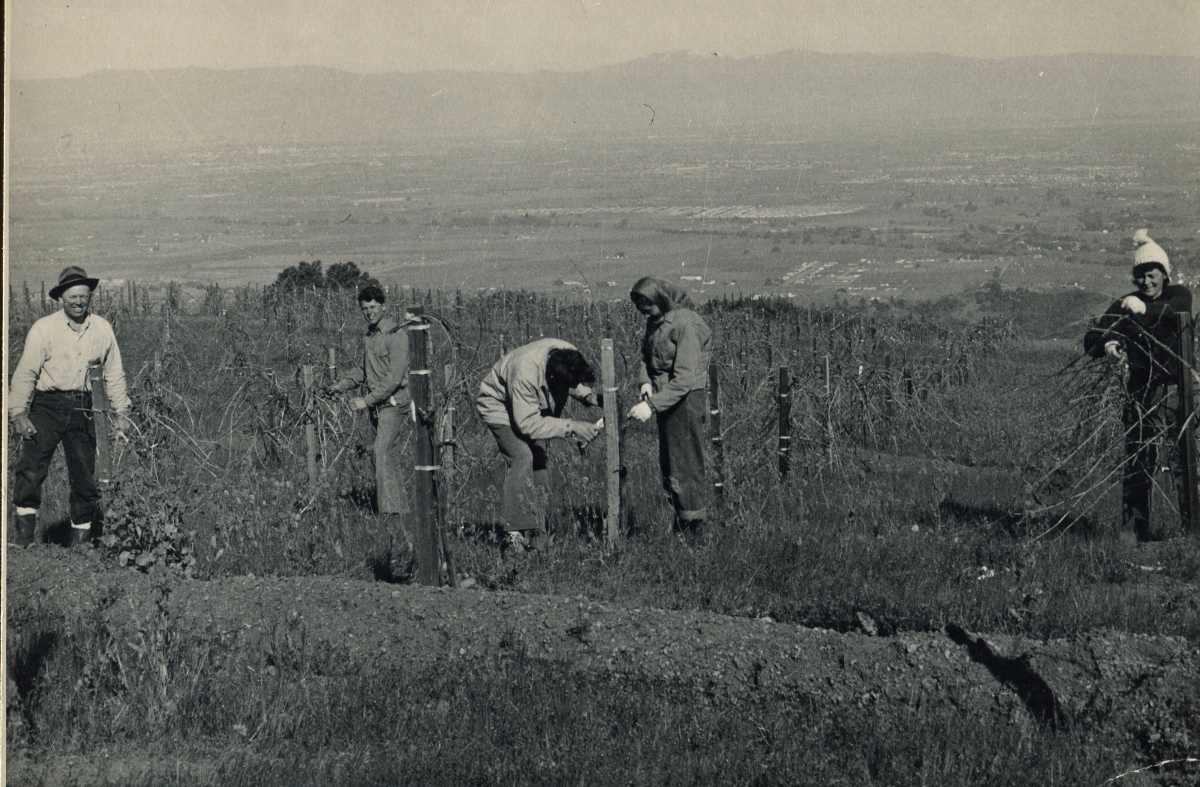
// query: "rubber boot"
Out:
[81,536]
[22,530]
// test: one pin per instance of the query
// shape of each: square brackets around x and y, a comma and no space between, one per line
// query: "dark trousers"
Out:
[681,456]
[60,417]
[526,487]
[1151,420]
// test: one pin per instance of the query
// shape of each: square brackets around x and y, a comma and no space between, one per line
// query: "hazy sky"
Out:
[51,38]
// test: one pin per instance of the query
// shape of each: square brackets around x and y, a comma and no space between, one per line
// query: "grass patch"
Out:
[515,721]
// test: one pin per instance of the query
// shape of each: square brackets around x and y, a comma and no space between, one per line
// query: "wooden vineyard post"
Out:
[448,443]
[1186,418]
[100,413]
[428,557]
[310,427]
[785,420]
[157,364]
[612,435]
[333,364]
[714,428]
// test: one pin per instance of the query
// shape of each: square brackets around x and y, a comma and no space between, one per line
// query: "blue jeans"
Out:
[60,417]
[389,425]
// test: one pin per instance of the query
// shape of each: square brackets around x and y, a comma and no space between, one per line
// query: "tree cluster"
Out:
[309,276]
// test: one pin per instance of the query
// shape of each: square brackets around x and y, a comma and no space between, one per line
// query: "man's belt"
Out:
[65,394]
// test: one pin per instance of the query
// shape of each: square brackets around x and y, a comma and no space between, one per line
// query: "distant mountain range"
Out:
[664,94]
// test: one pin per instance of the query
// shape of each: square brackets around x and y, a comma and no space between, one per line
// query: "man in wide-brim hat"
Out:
[72,276]
[50,402]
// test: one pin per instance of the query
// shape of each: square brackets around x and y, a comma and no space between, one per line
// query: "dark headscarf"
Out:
[663,295]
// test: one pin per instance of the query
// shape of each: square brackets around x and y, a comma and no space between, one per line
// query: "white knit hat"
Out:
[1146,250]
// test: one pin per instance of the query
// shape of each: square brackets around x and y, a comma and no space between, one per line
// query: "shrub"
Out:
[143,524]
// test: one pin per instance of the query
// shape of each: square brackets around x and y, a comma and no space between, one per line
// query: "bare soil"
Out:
[1138,691]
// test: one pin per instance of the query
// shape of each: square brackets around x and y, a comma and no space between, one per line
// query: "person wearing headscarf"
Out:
[675,355]
[1140,330]
[521,400]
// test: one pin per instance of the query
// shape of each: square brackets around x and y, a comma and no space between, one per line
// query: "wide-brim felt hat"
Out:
[72,276]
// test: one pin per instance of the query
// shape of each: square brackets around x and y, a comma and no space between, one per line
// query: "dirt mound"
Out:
[1140,690]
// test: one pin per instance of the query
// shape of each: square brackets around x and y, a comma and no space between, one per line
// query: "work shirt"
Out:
[384,367]
[515,392]
[57,356]
[675,355]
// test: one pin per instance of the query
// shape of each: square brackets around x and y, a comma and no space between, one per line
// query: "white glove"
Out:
[1113,347]
[1134,304]
[641,411]
[358,403]
[647,390]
